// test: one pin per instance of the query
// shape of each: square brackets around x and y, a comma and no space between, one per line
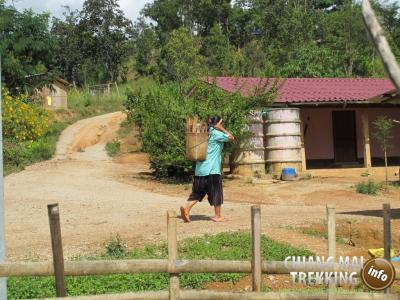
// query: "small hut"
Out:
[55,95]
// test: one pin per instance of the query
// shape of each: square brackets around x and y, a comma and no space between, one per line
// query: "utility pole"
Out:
[3,281]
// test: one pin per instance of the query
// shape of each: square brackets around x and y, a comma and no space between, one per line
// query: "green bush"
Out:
[161,112]
[113,148]
[369,188]
[116,247]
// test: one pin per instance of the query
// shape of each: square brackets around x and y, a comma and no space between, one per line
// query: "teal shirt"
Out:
[212,164]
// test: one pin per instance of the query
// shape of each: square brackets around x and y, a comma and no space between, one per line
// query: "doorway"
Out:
[344,136]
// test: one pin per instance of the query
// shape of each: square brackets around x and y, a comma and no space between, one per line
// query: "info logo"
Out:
[378,274]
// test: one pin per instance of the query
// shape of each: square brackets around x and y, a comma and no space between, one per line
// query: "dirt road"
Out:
[100,197]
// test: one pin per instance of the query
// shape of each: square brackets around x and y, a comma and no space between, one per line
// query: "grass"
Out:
[324,235]
[369,188]
[85,104]
[224,246]
[19,155]
[113,148]
[395,184]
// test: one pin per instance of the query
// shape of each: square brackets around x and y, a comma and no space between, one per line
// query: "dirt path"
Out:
[100,197]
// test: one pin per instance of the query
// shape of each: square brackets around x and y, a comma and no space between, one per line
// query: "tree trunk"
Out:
[386,169]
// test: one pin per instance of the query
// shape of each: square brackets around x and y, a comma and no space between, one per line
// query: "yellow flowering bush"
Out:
[23,121]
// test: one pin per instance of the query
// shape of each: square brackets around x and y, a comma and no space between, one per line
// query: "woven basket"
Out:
[196,145]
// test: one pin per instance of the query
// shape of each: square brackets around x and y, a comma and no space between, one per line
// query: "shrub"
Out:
[113,147]
[23,121]
[17,155]
[161,113]
[369,188]
[116,247]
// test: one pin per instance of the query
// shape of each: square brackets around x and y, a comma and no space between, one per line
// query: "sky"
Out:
[131,8]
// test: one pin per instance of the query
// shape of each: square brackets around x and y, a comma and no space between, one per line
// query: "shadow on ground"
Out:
[395,213]
[198,218]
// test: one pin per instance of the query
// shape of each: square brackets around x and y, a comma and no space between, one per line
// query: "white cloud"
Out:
[131,8]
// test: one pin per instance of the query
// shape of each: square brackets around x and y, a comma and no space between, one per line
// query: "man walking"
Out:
[207,178]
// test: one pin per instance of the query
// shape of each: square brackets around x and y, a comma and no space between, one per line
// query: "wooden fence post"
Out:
[367,146]
[172,256]
[256,248]
[331,222]
[56,244]
[386,234]
[116,86]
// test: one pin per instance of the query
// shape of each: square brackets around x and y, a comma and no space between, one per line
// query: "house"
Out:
[336,116]
[54,96]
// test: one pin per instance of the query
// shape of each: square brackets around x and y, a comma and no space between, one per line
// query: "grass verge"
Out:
[226,246]
[19,155]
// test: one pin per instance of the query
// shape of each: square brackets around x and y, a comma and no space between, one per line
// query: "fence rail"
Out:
[210,295]
[110,267]
[175,266]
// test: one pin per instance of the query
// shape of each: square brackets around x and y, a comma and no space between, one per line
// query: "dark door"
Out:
[344,136]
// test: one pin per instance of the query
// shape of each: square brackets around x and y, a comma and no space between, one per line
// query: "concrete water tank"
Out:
[283,139]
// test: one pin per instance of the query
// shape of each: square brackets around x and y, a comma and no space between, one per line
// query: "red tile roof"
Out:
[302,90]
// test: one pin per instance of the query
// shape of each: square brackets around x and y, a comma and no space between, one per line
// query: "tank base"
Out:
[249,170]
[275,169]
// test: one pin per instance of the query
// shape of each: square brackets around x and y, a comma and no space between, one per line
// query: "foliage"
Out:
[113,148]
[17,155]
[161,113]
[383,127]
[116,247]
[27,49]
[280,38]
[145,41]
[93,44]
[70,58]
[235,245]
[180,58]
[368,188]
[311,61]
[22,121]
[311,38]
[105,32]
[232,245]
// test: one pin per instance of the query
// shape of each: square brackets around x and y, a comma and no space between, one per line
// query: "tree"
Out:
[145,51]
[312,61]
[180,57]
[206,13]
[344,33]
[383,127]
[69,52]
[27,48]
[215,48]
[105,37]
[166,15]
